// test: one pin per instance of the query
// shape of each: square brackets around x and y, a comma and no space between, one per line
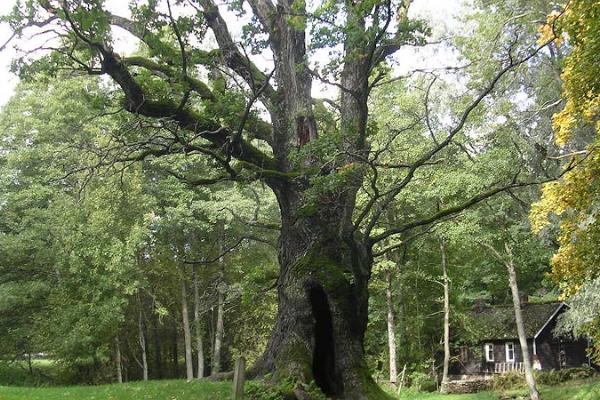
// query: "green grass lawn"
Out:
[407,395]
[575,390]
[204,390]
[151,390]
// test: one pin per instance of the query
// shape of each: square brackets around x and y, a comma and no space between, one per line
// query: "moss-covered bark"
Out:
[318,336]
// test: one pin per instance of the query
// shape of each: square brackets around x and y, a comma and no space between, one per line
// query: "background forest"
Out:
[121,262]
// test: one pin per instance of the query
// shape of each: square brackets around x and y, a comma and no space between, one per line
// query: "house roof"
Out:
[498,322]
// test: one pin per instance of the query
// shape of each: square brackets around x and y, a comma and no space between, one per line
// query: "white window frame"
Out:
[489,347]
[510,346]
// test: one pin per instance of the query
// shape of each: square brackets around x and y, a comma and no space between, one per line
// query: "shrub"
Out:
[510,380]
[257,390]
[422,382]
[260,390]
[580,373]
[45,373]
[549,377]
[515,380]
[555,377]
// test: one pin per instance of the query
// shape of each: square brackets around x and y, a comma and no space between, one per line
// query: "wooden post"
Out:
[239,377]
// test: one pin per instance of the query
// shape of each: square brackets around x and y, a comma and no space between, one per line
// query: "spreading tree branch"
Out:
[451,211]
[378,205]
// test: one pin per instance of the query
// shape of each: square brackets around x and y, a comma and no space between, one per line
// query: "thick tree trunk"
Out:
[446,284]
[391,326]
[118,360]
[512,280]
[325,264]
[142,342]
[322,316]
[187,335]
[197,325]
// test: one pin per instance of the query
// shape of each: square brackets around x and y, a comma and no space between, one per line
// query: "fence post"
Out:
[239,377]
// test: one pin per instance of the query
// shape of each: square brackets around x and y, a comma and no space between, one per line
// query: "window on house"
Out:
[489,352]
[510,352]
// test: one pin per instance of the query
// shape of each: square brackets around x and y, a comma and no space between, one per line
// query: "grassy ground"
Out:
[151,390]
[182,390]
[574,390]
[436,396]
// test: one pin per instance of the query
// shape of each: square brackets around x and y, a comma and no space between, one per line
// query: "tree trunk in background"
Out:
[219,328]
[142,342]
[399,258]
[446,283]
[118,360]
[174,353]
[512,280]
[391,326]
[197,325]
[187,335]
[157,348]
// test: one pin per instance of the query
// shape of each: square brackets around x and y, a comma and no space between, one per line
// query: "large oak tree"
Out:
[314,154]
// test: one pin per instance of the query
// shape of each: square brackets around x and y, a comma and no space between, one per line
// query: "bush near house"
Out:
[588,389]
[514,380]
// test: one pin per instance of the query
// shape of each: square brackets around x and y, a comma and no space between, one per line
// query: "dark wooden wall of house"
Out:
[500,353]
[549,350]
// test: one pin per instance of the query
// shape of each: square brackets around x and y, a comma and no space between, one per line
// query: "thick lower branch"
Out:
[137,102]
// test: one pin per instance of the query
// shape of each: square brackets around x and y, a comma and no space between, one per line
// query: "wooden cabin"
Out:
[498,349]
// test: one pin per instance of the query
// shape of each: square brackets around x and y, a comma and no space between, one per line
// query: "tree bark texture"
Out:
[197,325]
[512,280]
[391,326]
[220,323]
[118,360]
[446,284]
[187,334]
[142,342]
[323,300]
[219,333]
